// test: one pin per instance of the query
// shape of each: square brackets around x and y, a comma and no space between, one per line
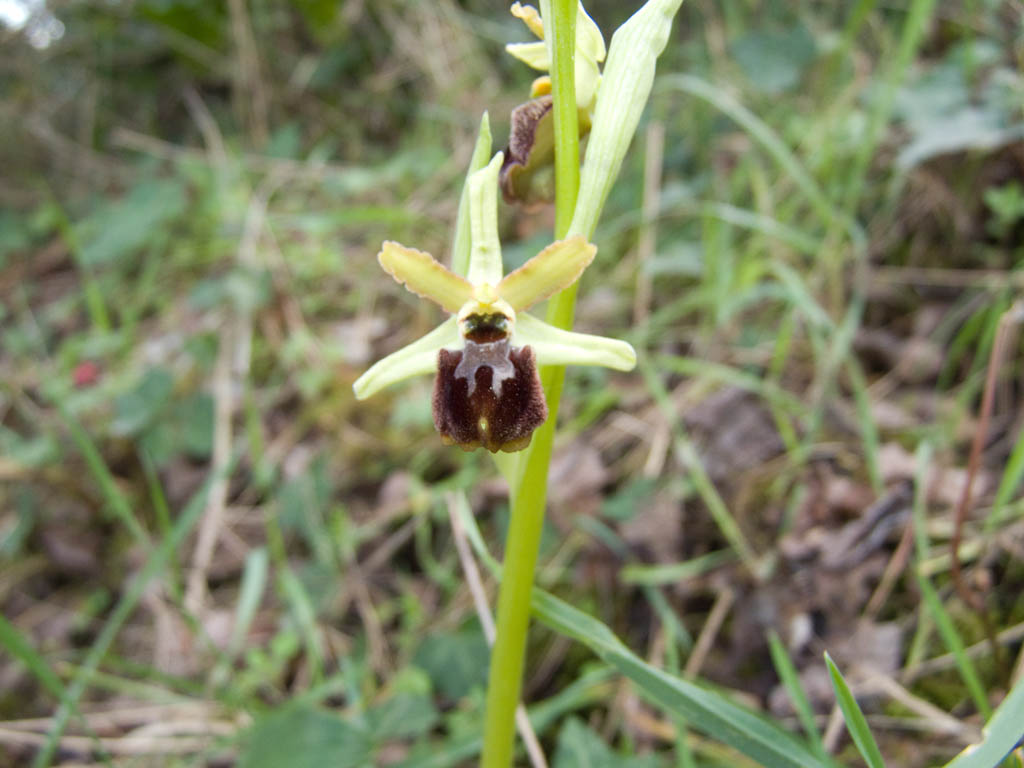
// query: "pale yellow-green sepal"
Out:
[411,360]
[485,267]
[461,243]
[589,40]
[531,54]
[552,270]
[553,346]
[422,274]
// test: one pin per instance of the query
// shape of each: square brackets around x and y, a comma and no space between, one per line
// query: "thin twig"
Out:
[896,565]
[940,721]
[833,730]
[723,603]
[948,660]
[483,612]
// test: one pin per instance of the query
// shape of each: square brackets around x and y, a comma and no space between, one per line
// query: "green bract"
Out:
[625,86]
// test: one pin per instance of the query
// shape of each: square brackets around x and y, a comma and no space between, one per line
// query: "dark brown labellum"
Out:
[488,395]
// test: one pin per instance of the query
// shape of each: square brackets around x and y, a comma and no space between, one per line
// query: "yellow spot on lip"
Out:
[482,425]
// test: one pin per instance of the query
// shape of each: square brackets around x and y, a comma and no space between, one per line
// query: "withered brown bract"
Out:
[472,410]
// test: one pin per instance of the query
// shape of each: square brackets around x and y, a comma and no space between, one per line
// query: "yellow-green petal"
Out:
[411,360]
[553,346]
[422,274]
[552,270]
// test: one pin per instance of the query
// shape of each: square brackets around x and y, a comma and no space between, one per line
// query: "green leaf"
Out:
[626,502]
[21,648]
[14,234]
[1001,734]
[855,722]
[455,662]
[194,417]
[969,129]
[580,747]
[121,228]
[35,451]
[305,737]
[703,709]
[402,716]
[137,409]
[774,61]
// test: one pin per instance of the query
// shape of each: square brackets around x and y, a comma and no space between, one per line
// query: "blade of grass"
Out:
[766,389]
[855,722]
[910,39]
[674,573]
[955,645]
[250,593]
[304,613]
[776,148]
[91,290]
[703,709]
[866,422]
[1013,474]
[18,646]
[115,500]
[791,680]
[698,475]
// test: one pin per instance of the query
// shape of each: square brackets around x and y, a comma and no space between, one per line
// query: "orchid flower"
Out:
[487,392]
[590,52]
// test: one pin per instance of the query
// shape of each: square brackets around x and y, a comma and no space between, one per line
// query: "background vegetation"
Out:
[210,555]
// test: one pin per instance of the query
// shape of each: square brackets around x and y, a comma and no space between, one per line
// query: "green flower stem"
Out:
[529,492]
[561,40]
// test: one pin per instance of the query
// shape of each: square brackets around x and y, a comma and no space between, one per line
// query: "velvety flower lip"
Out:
[486,353]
